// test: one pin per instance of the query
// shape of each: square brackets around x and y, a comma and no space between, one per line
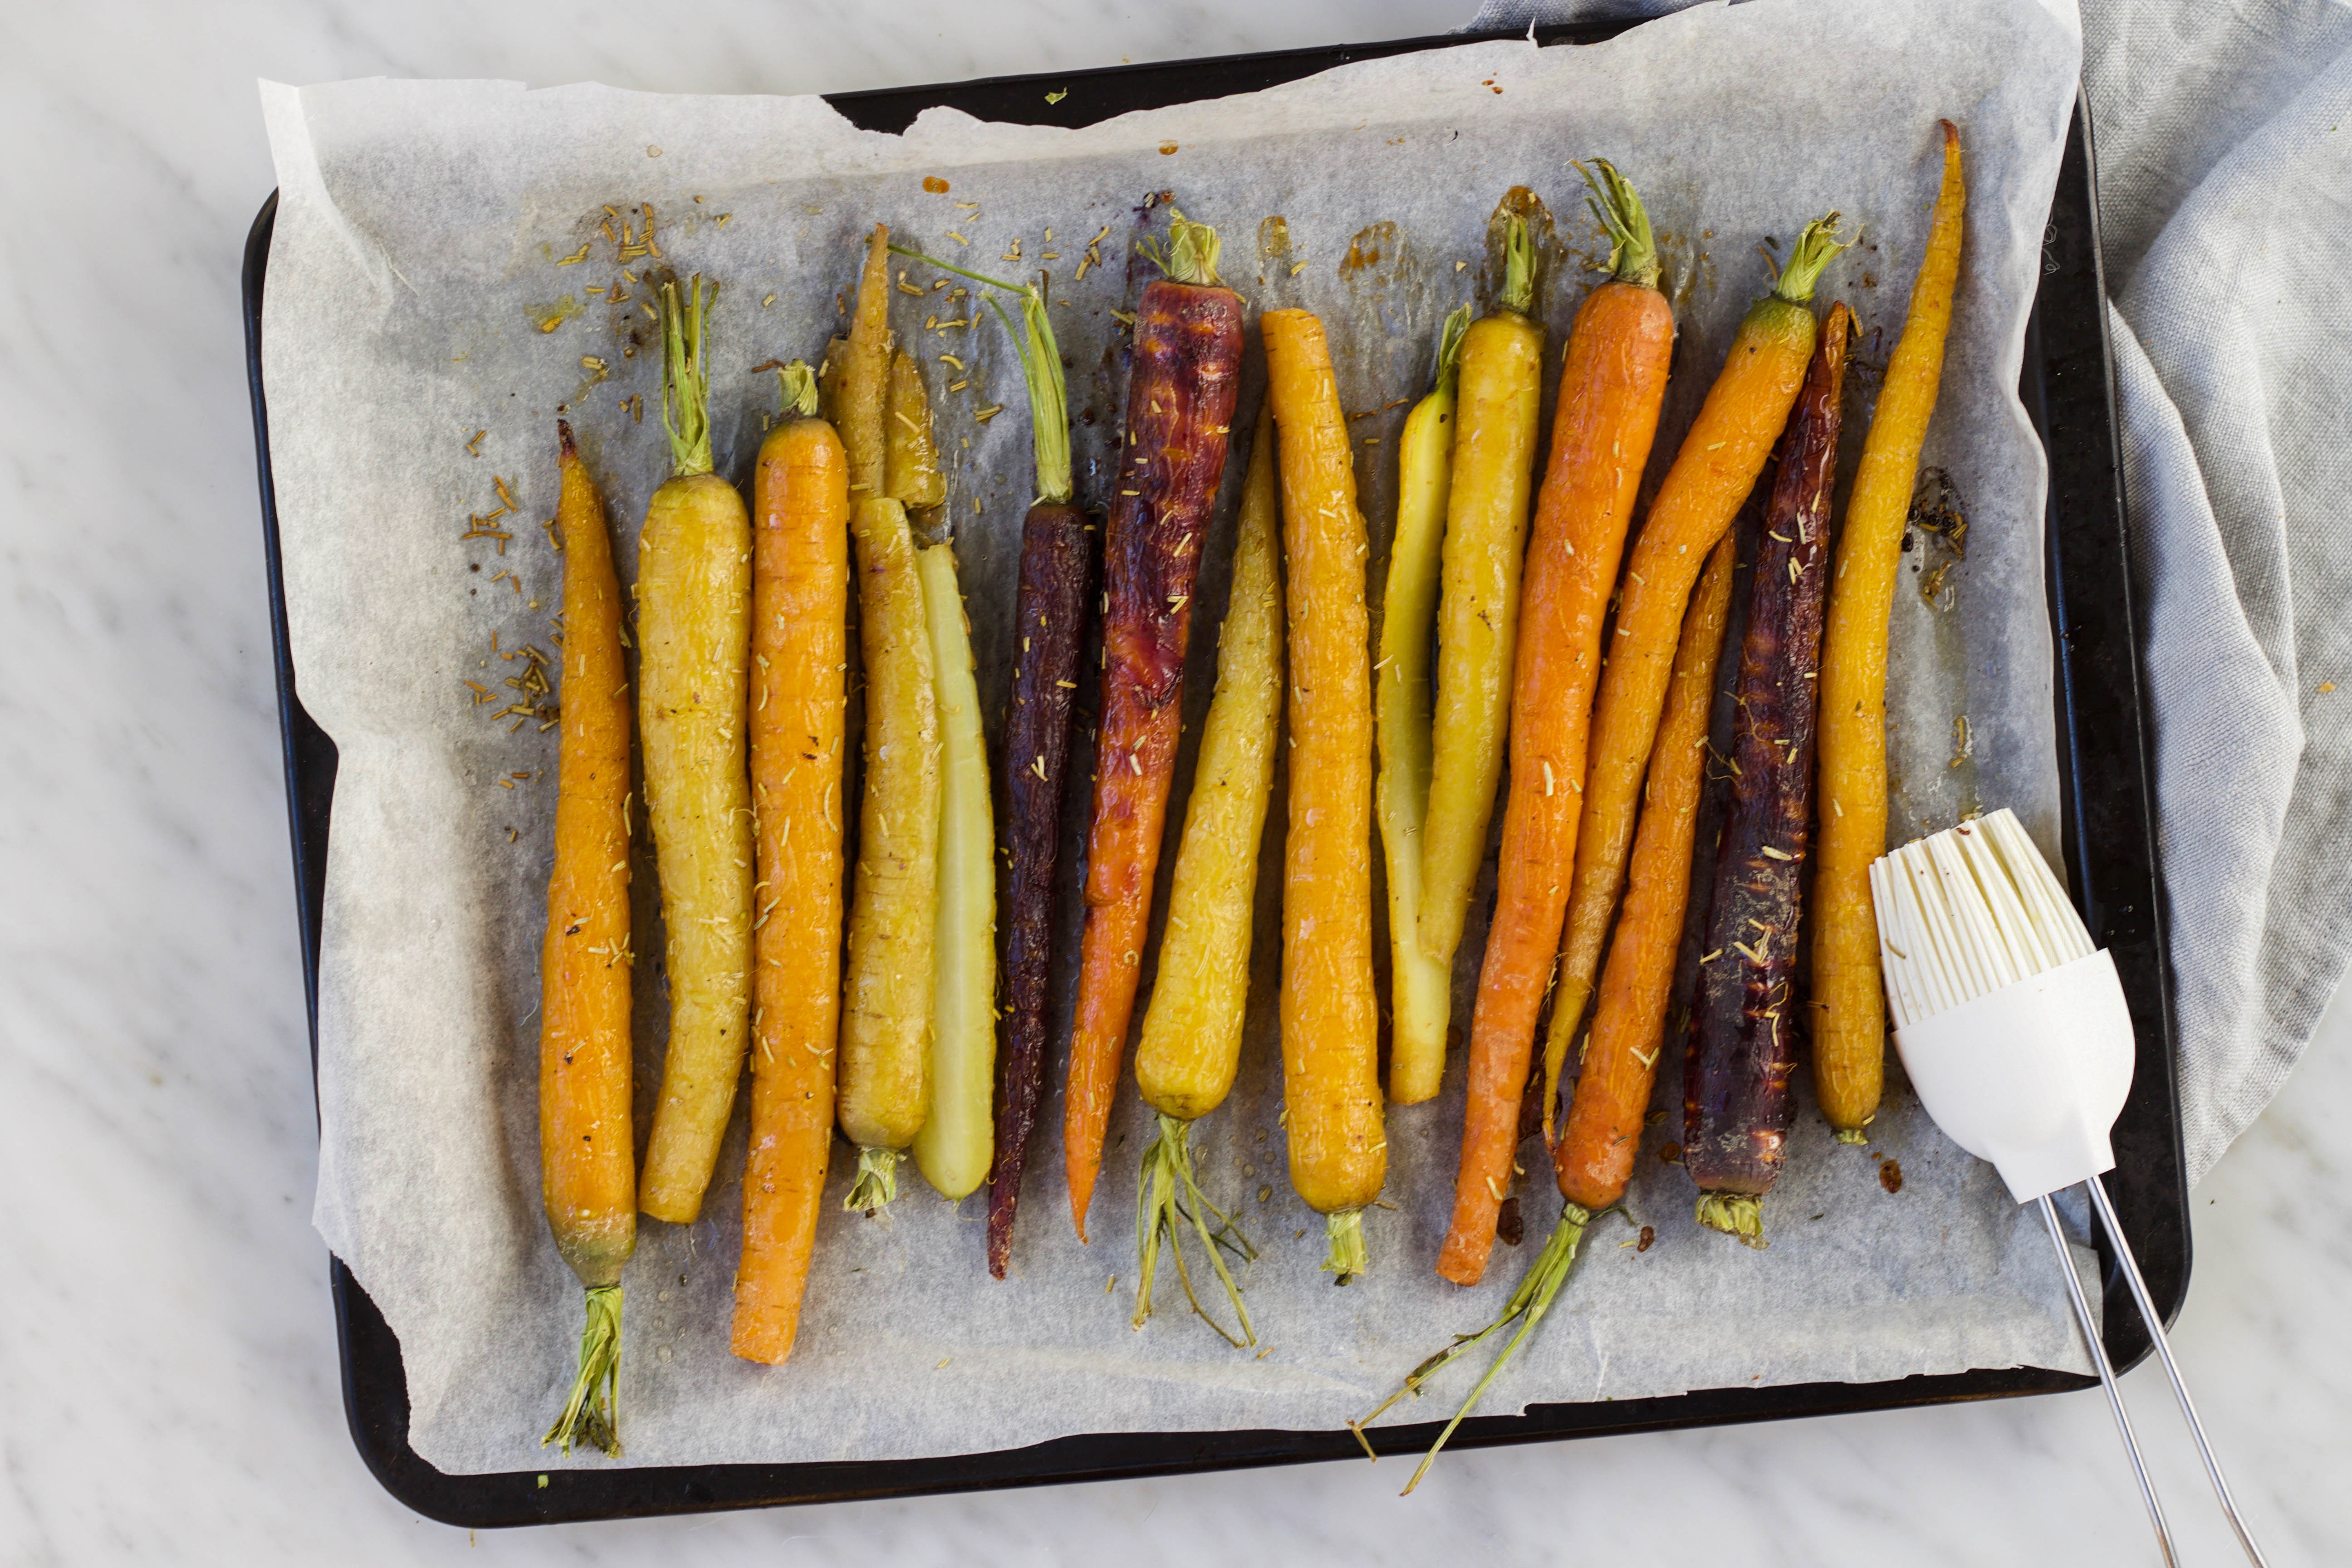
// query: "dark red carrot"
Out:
[1056,561]
[1735,1103]
[1180,411]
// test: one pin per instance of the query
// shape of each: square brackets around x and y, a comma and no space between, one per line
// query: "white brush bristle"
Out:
[1967,912]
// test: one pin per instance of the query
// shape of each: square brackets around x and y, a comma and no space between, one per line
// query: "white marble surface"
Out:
[167,1377]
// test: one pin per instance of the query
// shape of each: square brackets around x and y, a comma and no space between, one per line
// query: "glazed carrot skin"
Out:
[1613,382]
[1743,1041]
[1050,618]
[694,658]
[1605,1115]
[1180,409]
[1494,444]
[1848,1013]
[1331,1091]
[1712,472]
[800,644]
[588,1157]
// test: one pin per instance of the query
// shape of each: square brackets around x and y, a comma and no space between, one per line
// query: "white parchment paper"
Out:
[423,287]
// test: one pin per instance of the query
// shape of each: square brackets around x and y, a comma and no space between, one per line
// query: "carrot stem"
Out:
[589,1416]
[1527,1307]
[1168,1200]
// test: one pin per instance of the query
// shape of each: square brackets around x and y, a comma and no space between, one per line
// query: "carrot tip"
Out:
[589,1416]
[878,1180]
[1851,1135]
[1347,1258]
[1736,1214]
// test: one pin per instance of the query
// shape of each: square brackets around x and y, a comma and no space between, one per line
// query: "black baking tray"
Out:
[2108,832]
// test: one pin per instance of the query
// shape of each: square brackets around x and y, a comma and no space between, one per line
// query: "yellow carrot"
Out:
[1191,1039]
[1421,984]
[1331,1091]
[957,1139]
[1479,614]
[885,1026]
[693,641]
[1849,1012]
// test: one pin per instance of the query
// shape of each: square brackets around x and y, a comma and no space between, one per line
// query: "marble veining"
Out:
[168,1388]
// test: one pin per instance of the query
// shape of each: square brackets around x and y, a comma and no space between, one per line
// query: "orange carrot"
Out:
[1180,410]
[1610,385]
[587,1156]
[1595,1154]
[1712,473]
[799,643]
[1330,1024]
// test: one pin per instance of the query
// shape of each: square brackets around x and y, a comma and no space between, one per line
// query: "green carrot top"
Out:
[1191,254]
[1815,248]
[1449,348]
[685,377]
[1041,368]
[797,384]
[1633,249]
[1518,267]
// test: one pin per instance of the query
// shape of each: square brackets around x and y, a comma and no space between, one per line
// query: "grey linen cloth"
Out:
[2223,147]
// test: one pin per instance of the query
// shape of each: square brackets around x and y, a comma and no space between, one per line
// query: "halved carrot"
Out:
[884,1086]
[1180,411]
[800,646]
[1330,1025]
[587,1158]
[1419,985]
[1712,472]
[694,657]
[1849,1019]
[1612,384]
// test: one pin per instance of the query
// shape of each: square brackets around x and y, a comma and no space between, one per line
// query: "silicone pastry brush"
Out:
[2014,1031]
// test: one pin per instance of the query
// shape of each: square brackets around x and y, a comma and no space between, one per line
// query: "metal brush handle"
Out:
[2171,1369]
[2108,1378]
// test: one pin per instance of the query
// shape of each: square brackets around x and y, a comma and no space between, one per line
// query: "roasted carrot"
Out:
[1713,471]
[1612,384]
[1642,958]
[1743,1038]
[694,651]
[1849,1020]
[1180,409]
[1049,613]
[800,644]
[1421,985]
[1479,614]
[885,1028]
[956,1143]
[1192,1038]
[1331,1080]
[587,1157]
